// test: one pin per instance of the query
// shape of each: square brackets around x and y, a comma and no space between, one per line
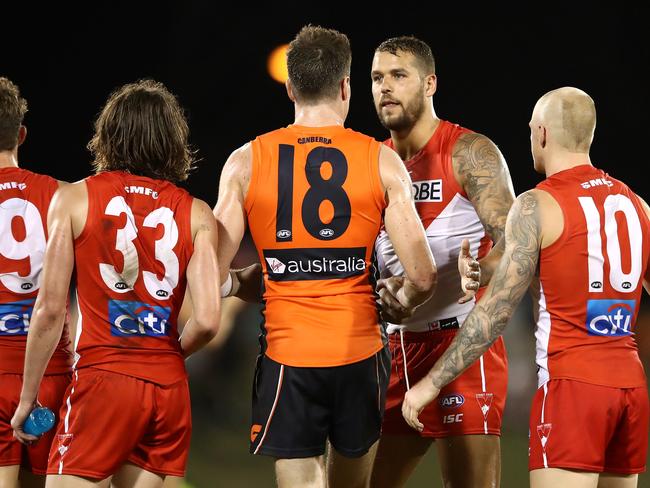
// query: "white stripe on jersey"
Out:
[542,332]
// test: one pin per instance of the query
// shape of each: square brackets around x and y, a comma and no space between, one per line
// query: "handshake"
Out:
[395,309]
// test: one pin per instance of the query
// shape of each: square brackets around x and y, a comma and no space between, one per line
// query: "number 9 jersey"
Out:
[591,280]
[24,201]
[130,262]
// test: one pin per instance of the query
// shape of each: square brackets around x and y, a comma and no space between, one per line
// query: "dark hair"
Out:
[142,130]
[409,44]
[317,60]
[12,113]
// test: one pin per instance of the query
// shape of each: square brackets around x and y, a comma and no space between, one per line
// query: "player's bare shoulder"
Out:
[481,170]
[550,215]
[391,169]
[239,168]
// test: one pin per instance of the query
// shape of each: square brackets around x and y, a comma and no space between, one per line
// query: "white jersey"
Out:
[448,217]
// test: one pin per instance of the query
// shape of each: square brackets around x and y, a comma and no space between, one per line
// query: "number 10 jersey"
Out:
[130,263]
[591,280]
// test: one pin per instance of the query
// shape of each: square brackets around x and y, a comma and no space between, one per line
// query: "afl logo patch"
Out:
[453,400]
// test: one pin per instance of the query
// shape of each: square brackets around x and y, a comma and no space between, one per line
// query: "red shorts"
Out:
[471,404]
[109,419]
[50,395]
[587,427]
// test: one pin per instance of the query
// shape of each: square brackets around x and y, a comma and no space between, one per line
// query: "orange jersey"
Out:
[314,208]
[591,282]
[24,200]
[130,263]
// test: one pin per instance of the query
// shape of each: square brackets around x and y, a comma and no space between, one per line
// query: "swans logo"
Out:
[610,317]
[15,316]
[130,319]
[314,263]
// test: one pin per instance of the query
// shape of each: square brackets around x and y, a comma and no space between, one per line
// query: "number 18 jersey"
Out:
[24,201]
[130,263]
[314,208]
[591,280]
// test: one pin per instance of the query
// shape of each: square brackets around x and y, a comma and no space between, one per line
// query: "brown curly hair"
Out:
[142,130]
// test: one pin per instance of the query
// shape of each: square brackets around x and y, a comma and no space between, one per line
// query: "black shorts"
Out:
[295,410]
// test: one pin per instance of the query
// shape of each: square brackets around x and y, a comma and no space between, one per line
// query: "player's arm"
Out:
[405,231]
[482,172]
[49,312]
[231,218]
[202,282]
[487,320]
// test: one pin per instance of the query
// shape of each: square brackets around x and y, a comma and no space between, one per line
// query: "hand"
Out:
[470,272]
[249,281]
[21,414]
[391,309]
[418,397]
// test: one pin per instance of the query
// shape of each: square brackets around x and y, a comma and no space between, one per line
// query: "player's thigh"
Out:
[396,459]
[347,472]
[68,481]
[173,482]
[481,455]
[304,472]
[609,480]
[132,476]
[555,477]
[9,476]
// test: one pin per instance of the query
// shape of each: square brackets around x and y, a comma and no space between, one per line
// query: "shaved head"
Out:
[569,115]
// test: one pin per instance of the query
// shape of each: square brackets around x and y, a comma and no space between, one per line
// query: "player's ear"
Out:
[542,136]
[289,87]
[346,88]
[22,134]
[430,85]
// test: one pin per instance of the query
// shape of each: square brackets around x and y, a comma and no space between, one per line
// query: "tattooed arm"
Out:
[523,239]
[481,171]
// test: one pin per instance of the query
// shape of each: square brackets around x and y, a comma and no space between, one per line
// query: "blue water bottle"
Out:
[40,420]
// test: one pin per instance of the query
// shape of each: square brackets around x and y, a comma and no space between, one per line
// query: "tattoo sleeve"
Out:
[511,279]
[482,171]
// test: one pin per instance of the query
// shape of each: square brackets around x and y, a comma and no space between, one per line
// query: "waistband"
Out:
[439,328]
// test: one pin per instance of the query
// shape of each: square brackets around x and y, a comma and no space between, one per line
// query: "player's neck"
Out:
[565,160]
[8,159]
[320,115]
[409,142]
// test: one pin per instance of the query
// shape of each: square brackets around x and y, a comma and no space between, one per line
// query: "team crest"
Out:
[64,443]
[484,402]
[544,431]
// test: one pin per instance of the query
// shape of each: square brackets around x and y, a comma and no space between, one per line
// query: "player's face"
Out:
[397,89]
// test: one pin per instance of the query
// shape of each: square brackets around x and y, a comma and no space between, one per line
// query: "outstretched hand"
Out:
[470,272]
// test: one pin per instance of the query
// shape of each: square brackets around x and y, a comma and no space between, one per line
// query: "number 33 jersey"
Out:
[314,209]
[130,263]
[24,200]
[591,280]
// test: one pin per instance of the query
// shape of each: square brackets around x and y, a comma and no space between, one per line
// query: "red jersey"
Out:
[314,208]
[130,263]
[448,217]
[591,280]
[24,200]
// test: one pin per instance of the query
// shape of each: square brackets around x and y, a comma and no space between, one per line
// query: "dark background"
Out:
[492,65]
